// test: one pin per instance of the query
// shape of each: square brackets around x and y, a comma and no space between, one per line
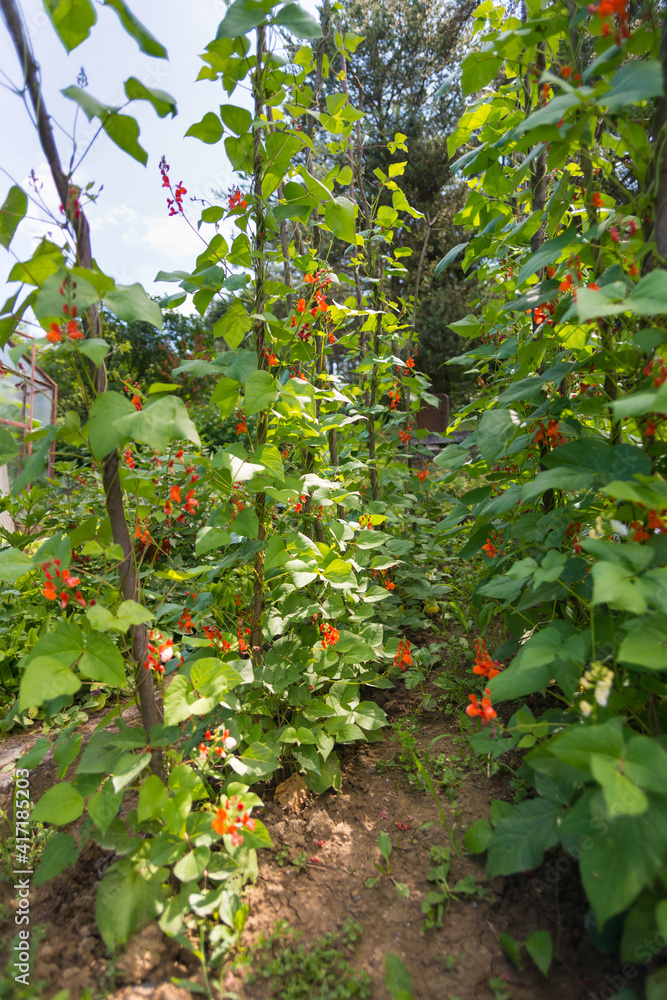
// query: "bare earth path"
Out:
[335,839]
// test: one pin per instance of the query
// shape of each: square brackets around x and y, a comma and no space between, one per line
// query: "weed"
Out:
[293,972]
[10,989]
[438,900]
[384,843]
[500,989]
[282,855]
[300,861]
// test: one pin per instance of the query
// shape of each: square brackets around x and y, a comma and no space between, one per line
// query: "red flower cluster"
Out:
[222,741]
[330,635]
[63,578]
[572,532]
[236,200]
[423,474]
[403,658]
[607,8]
[394,397]
[232,817]
[660,376]
[73,203]
[409,364]
[365,521]
[174,204]
[549,436]
[493,545]
[72,330]
[190,504]
[160,651]
[484,665]
[271,359]
[484,709]
[185,622]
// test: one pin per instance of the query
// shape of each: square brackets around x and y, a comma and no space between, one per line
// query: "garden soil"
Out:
[334,841]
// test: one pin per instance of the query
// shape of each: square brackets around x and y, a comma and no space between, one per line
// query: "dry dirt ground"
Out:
[335,839]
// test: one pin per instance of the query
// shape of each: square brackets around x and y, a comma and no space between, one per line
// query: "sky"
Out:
[133,236]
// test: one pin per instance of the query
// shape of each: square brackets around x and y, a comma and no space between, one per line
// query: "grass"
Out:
[291,971]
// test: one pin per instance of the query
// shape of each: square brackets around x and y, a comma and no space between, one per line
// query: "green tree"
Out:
[139,353]
[405,80]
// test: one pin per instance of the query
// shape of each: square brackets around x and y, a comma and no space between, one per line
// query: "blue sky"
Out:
[132,234]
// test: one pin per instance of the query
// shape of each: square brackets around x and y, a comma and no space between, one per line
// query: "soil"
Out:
[334,840]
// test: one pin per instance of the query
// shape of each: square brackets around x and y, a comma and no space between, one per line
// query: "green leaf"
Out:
[192,865]
[477,836]
[14,564]
[11,213]
[60,851]
[132,613]
[162,420]
[632,83]
[612,585]
[91,107]
[579,742]
[298,21]
[127,768]
[494,433]
[520,839]
[208,130]
[551,114]
[163,103]
[142,36]
[94,348]
[125,902]
[548,253]
[66,751]
[104,805]
[397,978]
[48,303]
[123,130]
[340,215]
[36,754]
[655,985]
[622,857]
[622,797]
[153,798]
[512,949]
[237,120]
[448,259]
[102,661]
[46,678]
[479,69]
[72,20]
[9,448]
[241,17]
[539,947]
[130,302]
[107,423]
[209,538]
[261,391]
[233,325]
[645,763]
[257,761]
[59,805]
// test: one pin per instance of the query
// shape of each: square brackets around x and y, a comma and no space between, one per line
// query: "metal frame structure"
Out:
[29,395]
